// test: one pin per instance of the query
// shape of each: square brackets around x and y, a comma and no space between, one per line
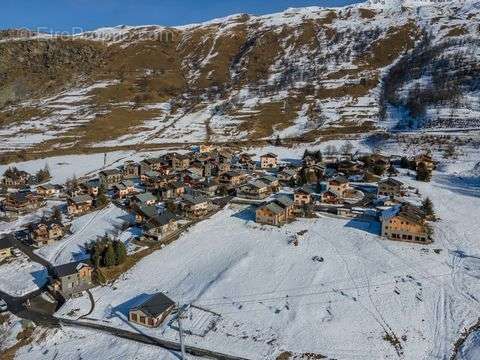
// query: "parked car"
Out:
[3,306]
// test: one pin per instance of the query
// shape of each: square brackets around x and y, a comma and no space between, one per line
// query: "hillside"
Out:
[302,74]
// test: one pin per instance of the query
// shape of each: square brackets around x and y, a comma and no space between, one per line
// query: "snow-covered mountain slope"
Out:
[303,73]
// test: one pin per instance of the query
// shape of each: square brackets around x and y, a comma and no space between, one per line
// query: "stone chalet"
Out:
[391,187]
[80,204]
[268,161]
[131,170]
[152,312]
[71,279]
[406,223]
[5,248]
[46,233]
[110,177]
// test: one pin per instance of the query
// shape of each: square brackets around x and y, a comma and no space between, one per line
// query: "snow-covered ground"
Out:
[20,276]
[84,229]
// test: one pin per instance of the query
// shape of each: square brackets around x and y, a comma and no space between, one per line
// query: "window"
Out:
[134,317]
[150,322]
[142,319]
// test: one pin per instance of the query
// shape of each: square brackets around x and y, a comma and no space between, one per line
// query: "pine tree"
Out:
[102,199]
[109,257]
[56,215]
[120,252]
[404,163]
[427,207]
[423,174]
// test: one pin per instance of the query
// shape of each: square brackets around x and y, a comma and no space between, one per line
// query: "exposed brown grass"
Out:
[366,13]
[118,122]
[385,50]
[457,31]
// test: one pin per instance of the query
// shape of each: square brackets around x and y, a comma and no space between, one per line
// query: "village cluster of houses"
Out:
[173,189]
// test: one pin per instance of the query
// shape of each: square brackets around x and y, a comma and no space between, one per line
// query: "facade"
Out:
[233,178]
[110,177]
[71,279]
[80,204]
[303,196]
[145,199]
[339,185]
[180,162]
[152,312]
[268,161]
[425,159]
[407,223]
[161,225]
[131,170]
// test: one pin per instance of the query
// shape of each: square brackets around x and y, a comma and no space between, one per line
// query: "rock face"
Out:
[301,73]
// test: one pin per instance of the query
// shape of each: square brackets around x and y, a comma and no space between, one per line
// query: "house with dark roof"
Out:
[152,312]
[80,204]
[22,202]
[391,187]
[46,232]
[71,279]
[276,212]
[110,177]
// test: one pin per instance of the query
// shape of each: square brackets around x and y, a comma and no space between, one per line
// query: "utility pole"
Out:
[180,330]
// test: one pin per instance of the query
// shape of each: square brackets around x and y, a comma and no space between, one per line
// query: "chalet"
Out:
[330,197]
[206,148]
[210,187]
[406,223]
[271,181]
[131,170]
[349,167]
[152,179]
[339,185]
[391,187]
[303,196]
[22,202]
[123,189]
[160,226]
[144,199]
[195,206]
[268,161]
[15,178]
[276,212]
[80,204]
[6,247]
[180,162]
[153,164]
[196,169]
[233,178]
[110,177]
[152,312]
[71,279]
[222,167]
[427,160]
[287,175]
[46,232]
[48,190]
[255,189]
[91,187]
[270,214]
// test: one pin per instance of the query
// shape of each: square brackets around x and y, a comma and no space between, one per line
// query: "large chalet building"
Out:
[406,223]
